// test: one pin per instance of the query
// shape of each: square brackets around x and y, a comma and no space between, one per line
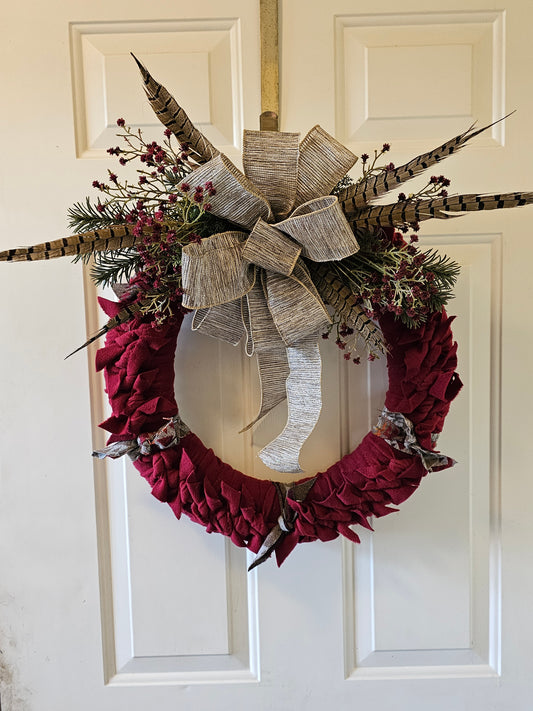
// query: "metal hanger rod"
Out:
[269,28]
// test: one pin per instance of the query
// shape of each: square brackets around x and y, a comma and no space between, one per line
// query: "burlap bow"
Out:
[256,283]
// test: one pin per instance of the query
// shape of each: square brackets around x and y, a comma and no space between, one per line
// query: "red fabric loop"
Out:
[138,364]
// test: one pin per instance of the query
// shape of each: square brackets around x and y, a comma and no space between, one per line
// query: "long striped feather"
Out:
[356,196]
[126,314]
[407,212]
[116,237]
[335,293]
[170,113]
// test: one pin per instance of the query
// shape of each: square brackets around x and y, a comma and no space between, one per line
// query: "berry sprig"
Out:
[164,167]
[372,167]
[435,187]
[390,274]
[346,340]
[166,211]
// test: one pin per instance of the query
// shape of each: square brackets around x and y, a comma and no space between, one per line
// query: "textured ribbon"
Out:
[255,282]
[166,436]
[398,431]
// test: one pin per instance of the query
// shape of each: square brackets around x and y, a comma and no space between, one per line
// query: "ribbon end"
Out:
[274,459]
[255,421]
[265,409]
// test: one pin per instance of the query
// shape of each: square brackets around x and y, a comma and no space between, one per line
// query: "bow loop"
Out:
[225,322]
[236,198]
[214,271]
[321,228]
[269,248]
[270,161]
[323,162]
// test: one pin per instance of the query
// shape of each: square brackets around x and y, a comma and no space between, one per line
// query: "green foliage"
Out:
[392,275]
[85,217]
[115,267]
[167,210]
[445,272]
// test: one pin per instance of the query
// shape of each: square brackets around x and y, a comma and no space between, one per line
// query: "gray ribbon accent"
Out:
[119,449]
[286,520]
[168,435]
[398,431]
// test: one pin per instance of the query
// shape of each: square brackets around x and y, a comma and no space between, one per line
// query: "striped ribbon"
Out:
[253,281]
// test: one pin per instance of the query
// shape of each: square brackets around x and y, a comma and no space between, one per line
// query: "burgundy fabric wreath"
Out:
[138,364]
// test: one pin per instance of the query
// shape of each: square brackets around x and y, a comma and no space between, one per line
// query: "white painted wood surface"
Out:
[105,600]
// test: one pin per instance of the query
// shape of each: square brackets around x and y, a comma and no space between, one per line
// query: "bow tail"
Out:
[304,401]
[299,315]
[265,341]
[273,367]
[223,322]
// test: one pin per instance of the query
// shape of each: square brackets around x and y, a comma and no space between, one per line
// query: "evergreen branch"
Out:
[86,217]
[117,266]
[442,266]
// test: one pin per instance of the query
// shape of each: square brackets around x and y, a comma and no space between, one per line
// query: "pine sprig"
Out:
[210,224]
[115,267]
[84,217]
[445,273]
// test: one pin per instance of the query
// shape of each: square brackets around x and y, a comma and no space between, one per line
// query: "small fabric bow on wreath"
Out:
[274,255]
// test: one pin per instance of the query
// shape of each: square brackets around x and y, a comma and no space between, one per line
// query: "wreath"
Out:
[384,470]
[277,256]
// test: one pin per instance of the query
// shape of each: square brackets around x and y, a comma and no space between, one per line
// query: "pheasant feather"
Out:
[126,314]
[170,113]
[358,195]
[109,238]
[408,212]
[335,293]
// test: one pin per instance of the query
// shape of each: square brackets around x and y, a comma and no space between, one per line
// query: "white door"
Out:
[106,601]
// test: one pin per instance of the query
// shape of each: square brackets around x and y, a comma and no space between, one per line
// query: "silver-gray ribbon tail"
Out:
[304,400]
